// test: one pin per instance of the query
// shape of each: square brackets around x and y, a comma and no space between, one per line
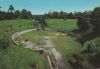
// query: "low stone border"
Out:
[17,34]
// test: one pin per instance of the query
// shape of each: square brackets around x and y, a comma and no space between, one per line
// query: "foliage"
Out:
[26,14]
[15,14]
[95,19]
[64,15]
[11,9]
[84,22]
[40,22]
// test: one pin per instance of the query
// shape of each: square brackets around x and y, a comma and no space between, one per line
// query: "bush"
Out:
[4,43]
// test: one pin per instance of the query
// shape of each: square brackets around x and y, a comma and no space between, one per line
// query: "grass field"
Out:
[8,27]
[69,24]
[16,57]
[16,25]
[19,58]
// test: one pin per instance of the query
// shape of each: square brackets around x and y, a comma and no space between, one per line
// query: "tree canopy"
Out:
[14,14]
[95,19]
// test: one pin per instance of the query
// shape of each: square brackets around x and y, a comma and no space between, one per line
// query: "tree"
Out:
[63,15]
[77,15]
[29,14]
[0,8]
[26,14]
[83,22]
[17,13]
[3,15]
[11,9]
[95,19]
[70,15]
[40,22]
[10,13]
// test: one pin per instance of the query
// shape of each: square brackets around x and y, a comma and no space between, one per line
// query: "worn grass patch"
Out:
[36,37]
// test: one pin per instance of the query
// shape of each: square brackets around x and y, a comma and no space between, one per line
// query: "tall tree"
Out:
[95,19]
[10,13]
[84,22]
[0,8]
[11,9]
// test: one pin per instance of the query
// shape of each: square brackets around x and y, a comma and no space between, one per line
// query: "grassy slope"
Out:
[16,57]
[20,58]
[68,24]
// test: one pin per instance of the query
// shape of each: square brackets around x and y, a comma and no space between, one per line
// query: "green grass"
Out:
[8,27]
[64,44]
[36,37]
[17,25]
[69,24]
[67,46]
[16,57]
[19,58]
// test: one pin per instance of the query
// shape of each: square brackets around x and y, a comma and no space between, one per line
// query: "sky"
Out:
[44,6]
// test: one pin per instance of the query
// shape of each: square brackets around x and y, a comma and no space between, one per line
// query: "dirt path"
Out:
[59,60]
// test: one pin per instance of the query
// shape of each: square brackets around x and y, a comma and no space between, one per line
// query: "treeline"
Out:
[65,15]
[90,22]
[14,14]
[88,26]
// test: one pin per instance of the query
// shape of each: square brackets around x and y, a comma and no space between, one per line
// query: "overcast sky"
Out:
[43,6]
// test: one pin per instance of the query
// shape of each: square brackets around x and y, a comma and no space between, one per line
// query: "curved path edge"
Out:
[17,34]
